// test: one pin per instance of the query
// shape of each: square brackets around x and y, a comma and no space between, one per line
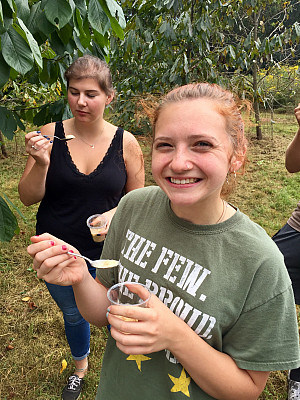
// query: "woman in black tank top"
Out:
[78,178]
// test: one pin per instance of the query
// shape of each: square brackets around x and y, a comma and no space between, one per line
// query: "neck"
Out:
[92,130]
[206,213]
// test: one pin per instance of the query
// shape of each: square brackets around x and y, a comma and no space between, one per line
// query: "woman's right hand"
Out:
[38,147]
[52,262]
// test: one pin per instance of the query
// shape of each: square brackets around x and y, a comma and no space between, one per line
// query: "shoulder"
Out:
[48,129]
[254,238]
[146,196]
[130,141]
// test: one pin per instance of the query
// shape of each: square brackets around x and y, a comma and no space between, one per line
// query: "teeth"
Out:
[183,181]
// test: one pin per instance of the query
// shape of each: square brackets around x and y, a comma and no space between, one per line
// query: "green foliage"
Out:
[8,222]
[173,42]
[39,40]
[281,87]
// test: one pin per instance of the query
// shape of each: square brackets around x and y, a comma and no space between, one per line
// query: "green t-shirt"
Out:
[227,281]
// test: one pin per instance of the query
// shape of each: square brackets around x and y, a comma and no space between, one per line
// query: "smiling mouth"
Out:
[183,181]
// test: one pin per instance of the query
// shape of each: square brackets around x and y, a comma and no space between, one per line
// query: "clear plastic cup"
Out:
[97,224]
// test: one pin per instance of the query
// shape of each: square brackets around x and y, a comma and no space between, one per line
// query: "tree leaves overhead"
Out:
[97,17]
[40,39]
[16,51]
[58,12]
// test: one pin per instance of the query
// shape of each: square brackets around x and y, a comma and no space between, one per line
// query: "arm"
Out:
[158,328]
[292,157]
[134,163]
[53,264]
[32,183]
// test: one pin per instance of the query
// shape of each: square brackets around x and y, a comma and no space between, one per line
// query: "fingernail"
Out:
[71,251]
[52,243]
[37,235]
[51,141]
[64,247]
[38,131]
[75,257]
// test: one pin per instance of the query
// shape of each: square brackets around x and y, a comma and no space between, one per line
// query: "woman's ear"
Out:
[109,99]
[236,163]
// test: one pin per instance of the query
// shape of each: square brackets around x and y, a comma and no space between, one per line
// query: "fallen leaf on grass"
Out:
[9,347]
[63,365]
[31,306]
[26,298]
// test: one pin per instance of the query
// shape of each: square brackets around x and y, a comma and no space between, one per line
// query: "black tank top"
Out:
[71,196]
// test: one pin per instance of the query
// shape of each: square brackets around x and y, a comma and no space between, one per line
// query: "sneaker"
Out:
[73,389]
[293,390]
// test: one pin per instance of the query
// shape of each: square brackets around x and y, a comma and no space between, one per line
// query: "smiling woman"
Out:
[203,334]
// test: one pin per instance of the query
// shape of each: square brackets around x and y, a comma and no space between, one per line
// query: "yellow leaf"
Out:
[63,365]
[26,298]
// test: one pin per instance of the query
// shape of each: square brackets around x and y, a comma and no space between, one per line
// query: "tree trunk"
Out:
[3,148]
[255,84]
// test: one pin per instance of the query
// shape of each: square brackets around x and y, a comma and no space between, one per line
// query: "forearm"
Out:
[215,372]
[32,185]
[292,156]
[92,301]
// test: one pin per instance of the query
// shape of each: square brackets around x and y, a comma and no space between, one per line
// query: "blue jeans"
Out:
[76,327]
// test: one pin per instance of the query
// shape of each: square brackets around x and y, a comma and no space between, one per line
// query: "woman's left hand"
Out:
[108,215]
[156,327]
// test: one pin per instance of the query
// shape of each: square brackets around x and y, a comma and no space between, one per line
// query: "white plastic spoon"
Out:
[97,263]
[68,137]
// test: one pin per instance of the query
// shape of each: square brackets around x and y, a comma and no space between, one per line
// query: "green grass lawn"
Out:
[32,340]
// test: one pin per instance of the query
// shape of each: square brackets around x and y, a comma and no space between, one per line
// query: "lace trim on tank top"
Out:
[98,168]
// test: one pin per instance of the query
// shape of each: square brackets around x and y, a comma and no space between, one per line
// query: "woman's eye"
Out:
[204,145]
[74,93]
[91,95]
[162,145]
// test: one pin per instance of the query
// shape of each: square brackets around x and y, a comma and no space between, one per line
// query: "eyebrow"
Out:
[87,91]
[193,137]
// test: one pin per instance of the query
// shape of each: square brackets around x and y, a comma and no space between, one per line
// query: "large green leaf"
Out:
[8,123]
[32,44]
[81,7]
[97,17]
[116,16]
[38,21]
[58,12]
[1,14]
[8,222]
[23,10]
[16,51]
[4,71]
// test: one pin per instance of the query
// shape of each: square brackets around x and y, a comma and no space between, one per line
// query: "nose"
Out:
[81,99]
[181,161]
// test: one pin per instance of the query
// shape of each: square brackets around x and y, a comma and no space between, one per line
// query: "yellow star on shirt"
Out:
[138,358]
[181,384]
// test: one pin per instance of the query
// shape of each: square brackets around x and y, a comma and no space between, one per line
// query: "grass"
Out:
[32,340]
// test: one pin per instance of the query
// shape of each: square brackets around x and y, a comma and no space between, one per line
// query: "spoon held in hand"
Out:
[97,263]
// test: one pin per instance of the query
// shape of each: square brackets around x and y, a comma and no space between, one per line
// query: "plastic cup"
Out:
[128,294]
[97,224]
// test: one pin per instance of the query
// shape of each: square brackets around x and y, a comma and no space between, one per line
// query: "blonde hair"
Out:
[225,105]
[89,66]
